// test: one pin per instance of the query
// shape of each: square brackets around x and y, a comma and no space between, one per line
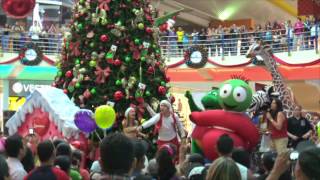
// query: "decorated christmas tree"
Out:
[111,55]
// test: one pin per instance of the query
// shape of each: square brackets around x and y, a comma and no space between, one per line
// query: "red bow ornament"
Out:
[102,74]
[104,4]
[74,46]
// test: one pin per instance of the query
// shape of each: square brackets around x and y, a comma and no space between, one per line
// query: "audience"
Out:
[4,169]
[117,157]
[46,171]
[224,168]
[15,151]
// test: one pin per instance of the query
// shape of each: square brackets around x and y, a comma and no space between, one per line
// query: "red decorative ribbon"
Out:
[102,74]
[75,48]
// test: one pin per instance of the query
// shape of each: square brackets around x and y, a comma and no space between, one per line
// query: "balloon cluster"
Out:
[87,121]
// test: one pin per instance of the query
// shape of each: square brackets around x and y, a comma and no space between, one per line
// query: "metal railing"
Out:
[239,43]
[12,42]
[216,45]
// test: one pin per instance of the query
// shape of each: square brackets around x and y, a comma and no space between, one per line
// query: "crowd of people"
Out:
[48,37]
[124,155]
[283,36]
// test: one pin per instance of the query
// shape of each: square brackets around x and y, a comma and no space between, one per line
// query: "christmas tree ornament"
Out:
[116,32]
[92,63]
[93,91]
[65,91]
[68,74]
[147,93]
[137,41]
[104,4]
[163,83]
[118,82]
[87,94]
[18,9]
[77,85]
[94,55]
[104,38]
[141,26]
[143,59]
[102,74]
[118,95]
[92,44]
[127,59]
[77,61]
[117,62]
[80,26]
[110,54]
[146,45]
[162,90]
[131,82]
[70,88]
[82,70]
[149,30]
[150,70]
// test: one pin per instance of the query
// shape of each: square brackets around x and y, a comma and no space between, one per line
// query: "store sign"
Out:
[25,88]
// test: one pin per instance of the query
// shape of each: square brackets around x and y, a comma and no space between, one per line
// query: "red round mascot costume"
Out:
[235,97]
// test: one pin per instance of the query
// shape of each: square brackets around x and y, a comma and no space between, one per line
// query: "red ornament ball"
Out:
[149,30]
[65,91]
[163,27]
[117,62]
[150,70]
[167,79]
[104,38]
[118,95]
[158,63]
[140,100]
[162,90]
[69,74]
[18,8]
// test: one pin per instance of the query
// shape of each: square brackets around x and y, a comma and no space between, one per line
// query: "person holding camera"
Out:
[299,128]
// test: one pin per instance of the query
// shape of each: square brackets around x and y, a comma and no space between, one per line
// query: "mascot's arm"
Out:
[192,104]
[237,122]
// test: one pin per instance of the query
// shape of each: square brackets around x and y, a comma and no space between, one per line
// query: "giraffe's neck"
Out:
[278,83]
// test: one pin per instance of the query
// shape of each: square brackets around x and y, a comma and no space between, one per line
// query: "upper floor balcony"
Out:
[219,51]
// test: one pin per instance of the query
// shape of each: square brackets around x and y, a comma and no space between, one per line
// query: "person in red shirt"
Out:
[277,125]
[46,170]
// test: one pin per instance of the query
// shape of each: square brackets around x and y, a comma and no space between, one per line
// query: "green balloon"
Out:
[92,63]
[105,116]
[127,59]
[93,91]
[77,85]
[137,41]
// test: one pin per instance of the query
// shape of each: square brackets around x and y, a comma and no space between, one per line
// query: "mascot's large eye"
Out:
[240,94]
[225,90]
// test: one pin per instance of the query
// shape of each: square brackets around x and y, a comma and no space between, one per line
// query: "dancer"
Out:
[167,123]
[130,124]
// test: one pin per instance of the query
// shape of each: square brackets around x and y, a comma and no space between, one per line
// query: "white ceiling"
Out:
[259,10]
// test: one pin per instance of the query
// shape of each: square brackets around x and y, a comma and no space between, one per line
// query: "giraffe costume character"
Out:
[285,95]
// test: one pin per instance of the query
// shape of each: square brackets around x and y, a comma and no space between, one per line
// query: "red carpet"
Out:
[252,73]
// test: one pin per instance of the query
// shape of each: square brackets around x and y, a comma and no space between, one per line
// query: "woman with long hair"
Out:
[223,168]
[130,124]
[277,125]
